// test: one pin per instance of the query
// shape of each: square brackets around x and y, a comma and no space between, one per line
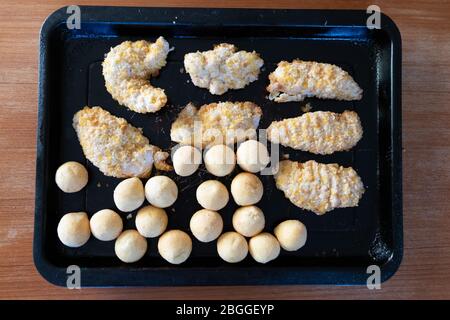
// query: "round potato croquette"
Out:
[73,229]
[71,177]
[129,194]
[186,160]
[151,221]
[130,246]
[252,156]
[264,247]
[232,247]
[175,246]
[161,191]
[291,234]
[246,189]
[106,225]
[248,221]
[220,160]
[206,225]
[212,195]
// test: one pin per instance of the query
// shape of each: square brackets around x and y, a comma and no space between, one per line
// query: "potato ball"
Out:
[206,225]
[73,229]
[246,189]
[264,247]
[175,246]
[291,234]
[220,160]
[186,160]
[151,221]
[130,246]
[161,191]
[248,221]
[212,195]
[106,225]
[232,247]
[71,177]
[252,156]
[129,194]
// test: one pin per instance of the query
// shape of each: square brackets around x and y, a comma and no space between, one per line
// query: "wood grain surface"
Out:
[424,273]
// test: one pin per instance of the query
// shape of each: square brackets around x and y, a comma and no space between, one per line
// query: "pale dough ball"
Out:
[248,221]
[246,189]
[206,225]
[106,225]
[252,156]
[73,229]
[130,246]
[264,247]
[232,247]
[212,195]
[186,160]
[71,177]
[175,246]
[151,221]
[291,234]
[161,191]
[129,194]
[220,160]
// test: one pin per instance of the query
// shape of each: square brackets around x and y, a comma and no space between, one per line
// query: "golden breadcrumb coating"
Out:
[114,146]
[319,132]
[223,68]
[319,187]
[127,68]
[216,123]
[296,80]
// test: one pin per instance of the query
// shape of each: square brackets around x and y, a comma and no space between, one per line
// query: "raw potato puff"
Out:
[206,225]
[106,225]
[129,194]
[291,234]
[161,191]
[71,177]
[212,195]
[252,156]
[248,221]
[151,221]
[130,246]
[246,189]
[220,160]
[73,229]
[264,247]
[175,246]
[232,247]
[186,160]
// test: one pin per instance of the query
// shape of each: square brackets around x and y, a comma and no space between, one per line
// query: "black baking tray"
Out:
[341,244]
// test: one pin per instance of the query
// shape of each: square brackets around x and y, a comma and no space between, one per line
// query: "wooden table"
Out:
[424,273]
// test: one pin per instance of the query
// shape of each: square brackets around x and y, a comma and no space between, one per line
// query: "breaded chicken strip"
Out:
[216,123]
[319,187]
[296,80]
[114,146]
[319,132]
[127,68]
[222,68]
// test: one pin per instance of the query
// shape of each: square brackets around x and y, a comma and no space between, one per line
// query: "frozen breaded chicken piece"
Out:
[216,123]
[319,132]
[114,146]
[319,187]
[223,68]
[296,80]
[127,69]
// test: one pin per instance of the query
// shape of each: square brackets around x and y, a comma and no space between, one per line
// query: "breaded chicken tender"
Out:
[216,123]
[114,146]
[319,187]
[223,68]
[297,80]
[127,68]
[319,132]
